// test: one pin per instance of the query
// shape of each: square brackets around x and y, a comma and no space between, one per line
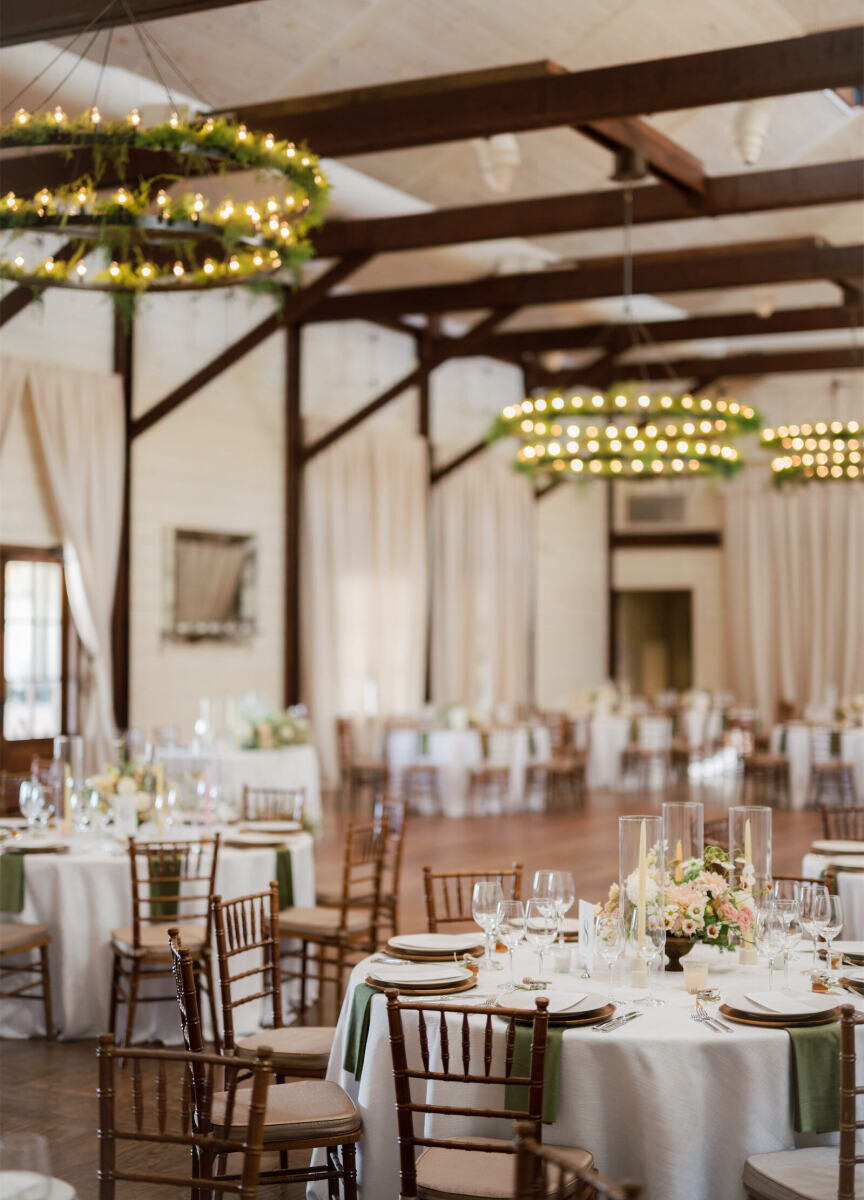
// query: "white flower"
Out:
[126,786]
[748,876]
[652,891]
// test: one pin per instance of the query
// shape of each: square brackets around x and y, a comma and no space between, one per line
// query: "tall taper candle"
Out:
[643,886]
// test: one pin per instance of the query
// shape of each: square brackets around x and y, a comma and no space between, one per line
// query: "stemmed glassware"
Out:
[541,928]
[557,886]
[770,936]
[650,951]
[31,797]
[609,938]
[511,928]
[791,915]
[815,911]
[486,897]
[832,928]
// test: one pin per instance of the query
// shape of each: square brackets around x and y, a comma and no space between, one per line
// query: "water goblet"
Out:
[814,907]
[791,915]
[770,937]
[609,938]
[650,950]
[511,928]
[832,929]
[485,898]
[30,801]
[541,928]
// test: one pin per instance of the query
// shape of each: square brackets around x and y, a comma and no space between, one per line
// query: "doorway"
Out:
[653,640]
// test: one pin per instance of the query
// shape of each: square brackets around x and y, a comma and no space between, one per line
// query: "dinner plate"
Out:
[20,1185]
[844,860]
[251,841]
[432,989]
[436,943]
[838,847]
[852,949]
[767,1022]
[31,845]
[256,827]
[800,1005]
[417,975]
[561,1003]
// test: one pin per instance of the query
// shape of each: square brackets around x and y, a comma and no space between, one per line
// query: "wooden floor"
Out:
[50,1087]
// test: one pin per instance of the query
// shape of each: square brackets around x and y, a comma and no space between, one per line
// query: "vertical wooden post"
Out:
[293,483]
[124,337]
[423,428]
[611,607]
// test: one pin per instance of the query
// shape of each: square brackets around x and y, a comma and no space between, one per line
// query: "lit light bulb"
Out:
[48,264]
[95,115]
[59,115]
[290,151]
[19,261]
[304,161]
[11,202]
[275,259]
[198,203]
[269,141]
[22,116]
[274,224]
[621,401]
[178,269]
[285,232]
[638,465]
[146,271]
[209,267]
[44,197]
[134,118]
[174,120]
[82,196]
[643,401]
[242,133]
[121,196]
[233,263]
[272,205]
[226,211]
[207,126]
[114,270]
[257,259]
[81,270]
[319,180]
[289,201]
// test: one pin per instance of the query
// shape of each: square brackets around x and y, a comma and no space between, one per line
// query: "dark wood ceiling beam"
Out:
[714,325]
[691,270]
[779,362]
[296,304]
[725,195]
[394,117]
[24,21]
[663,157]
[439,473]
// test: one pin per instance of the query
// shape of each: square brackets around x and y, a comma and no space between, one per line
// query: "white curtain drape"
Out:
[79,424]
[795,591]
[364,580]
[483,567]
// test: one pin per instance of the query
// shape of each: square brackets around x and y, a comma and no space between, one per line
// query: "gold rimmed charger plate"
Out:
[432,958]
[592,1018]
[271,842]
[404,990]
[779,1020]
[51,848]
[857,985]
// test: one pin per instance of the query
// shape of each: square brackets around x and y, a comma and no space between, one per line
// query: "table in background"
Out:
[609,736]
[663,1100]
[232,770]
[456,751]
[797,750]
[82,896]
[850,889]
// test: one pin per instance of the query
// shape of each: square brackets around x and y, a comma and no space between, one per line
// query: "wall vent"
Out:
[655,510]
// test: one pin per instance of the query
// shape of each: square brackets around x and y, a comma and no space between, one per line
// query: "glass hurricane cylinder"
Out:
[69,751]
[641,868]
[750,849]
[683,831]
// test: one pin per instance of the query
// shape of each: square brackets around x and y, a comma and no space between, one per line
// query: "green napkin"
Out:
[11,883]
[783,735]
[532,744]
[284,878]
[516,1095]
[836,743]
[634,731]
[358,1029]
[424,744]
[170,865]
[816,1078]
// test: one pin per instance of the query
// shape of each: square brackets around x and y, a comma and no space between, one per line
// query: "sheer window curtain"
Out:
[364,580]
[79,424]
[483,567]
[795,591]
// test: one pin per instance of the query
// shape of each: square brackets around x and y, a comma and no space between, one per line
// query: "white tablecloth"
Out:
[663,1100]
[609,736]
[82,896]
[456,751]
[797,750]
[231,770]
[850,889]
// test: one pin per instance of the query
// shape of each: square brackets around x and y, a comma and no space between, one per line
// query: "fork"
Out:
[700,1015]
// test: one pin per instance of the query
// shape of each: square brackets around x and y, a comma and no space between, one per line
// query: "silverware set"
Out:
[616,1022]
[701,1015]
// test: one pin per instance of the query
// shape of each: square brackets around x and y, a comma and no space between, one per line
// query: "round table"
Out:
[663,1099]
[85,893]
[850,889]
[797,747]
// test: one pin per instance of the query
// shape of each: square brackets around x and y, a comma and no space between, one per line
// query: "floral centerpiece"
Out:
[699,904]
[128,779]
[277,730]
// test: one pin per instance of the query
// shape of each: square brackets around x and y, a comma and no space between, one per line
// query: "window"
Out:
[33,643]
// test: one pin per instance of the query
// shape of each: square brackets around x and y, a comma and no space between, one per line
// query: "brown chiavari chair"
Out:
[249,926]
[172,884]
[448,893]
[819,1172]
[447,1167]
[10,785]
[843,824]
[357,775]
[304,1114]
[828,771]
[351,929]
[491,781]
[391,872]
[766,778]
[543,1171]
[172,1137]
[16,939]
[274,804]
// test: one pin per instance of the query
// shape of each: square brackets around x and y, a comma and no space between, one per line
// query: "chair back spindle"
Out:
[248,925]
[274,804]
[448,893]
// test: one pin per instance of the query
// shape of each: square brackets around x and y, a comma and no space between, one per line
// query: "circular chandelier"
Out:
[823,450]
[148,238]
[625,433]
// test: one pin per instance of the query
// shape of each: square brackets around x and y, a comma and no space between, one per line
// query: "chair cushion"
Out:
[296,1112]
[321,921]
[294,1046]
[154,939]
[472,1174]
[15,934]
[809,1174]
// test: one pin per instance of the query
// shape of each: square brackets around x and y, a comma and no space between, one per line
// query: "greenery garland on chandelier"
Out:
[625,433]
[825,450]
[150,238]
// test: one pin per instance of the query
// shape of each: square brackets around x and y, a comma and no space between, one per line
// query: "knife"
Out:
[616,1022]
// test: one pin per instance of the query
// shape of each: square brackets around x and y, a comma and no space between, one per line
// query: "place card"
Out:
[586,933]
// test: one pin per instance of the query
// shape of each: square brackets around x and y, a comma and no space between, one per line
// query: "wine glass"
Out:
[557,886]
[814,915]
[511,928]
[486,897]
[791,915]
[30,801]
[770,936]
[609,938]
[541,928]
[47,806]
[832,928]
[25,1165]
[650,950]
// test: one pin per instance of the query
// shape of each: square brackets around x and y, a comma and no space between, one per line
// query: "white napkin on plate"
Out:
[777,1003]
